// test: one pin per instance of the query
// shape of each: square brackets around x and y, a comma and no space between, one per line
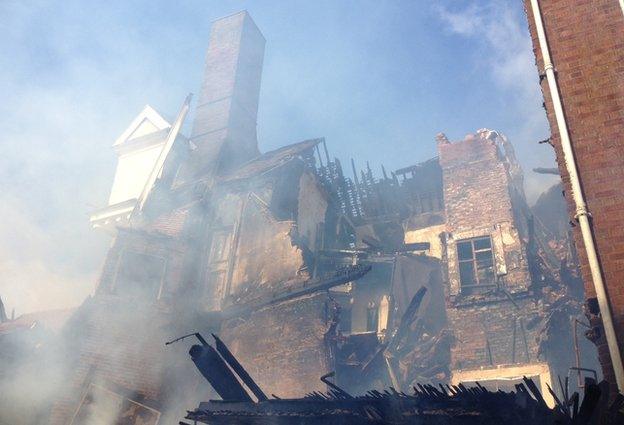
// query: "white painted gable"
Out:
[148,121]
[146,127]
[136,159]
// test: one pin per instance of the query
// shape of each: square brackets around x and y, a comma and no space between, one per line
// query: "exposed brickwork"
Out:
[224,130]
[485,334]
[118,342]
[478,203]
[283,346]
[478,187]
[586,40]
[171,224]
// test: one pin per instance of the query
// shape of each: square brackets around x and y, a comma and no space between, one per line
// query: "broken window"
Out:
[285,197]
[218,261]
[476,264]
[344,324]
[372,316]
[140,275]
[220,249]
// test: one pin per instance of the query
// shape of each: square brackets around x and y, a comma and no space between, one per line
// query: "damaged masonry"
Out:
[331,289]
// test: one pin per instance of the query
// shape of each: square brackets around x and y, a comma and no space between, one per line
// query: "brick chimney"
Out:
[224,130]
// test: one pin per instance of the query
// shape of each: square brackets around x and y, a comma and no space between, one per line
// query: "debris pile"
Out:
[424,404]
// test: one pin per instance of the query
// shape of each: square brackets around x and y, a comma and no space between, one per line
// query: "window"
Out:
[476,264]
[372,316]
[218,262]
[140,275]
[220,249]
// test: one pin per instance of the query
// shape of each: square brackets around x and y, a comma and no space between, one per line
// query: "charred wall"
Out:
[263,232]
[120,337]
[152,263]
[486,255]
[265,228]
[285,347]
[494,333]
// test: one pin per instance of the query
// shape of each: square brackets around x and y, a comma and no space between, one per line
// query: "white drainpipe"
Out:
[582,214]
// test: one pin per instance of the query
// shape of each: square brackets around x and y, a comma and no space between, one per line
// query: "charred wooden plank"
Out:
[238,368]
[339,277]
[217,373]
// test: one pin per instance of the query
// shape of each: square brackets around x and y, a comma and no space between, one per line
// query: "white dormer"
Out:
[138,149]
[148,121]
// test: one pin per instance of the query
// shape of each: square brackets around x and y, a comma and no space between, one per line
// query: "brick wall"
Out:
[478,203]
[479,183]
[586,40]
[120,335]
[485,331]
[120,345]
[475,184]
[283,346]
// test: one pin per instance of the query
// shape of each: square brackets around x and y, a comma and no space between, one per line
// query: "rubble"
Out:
[442,404]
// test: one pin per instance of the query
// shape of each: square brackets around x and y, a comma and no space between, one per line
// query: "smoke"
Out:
[382,74]
[71,81]
[33,368]
[92,368]
[505,56]
[69,87]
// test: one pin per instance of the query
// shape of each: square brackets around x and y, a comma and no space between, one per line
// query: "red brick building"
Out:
[586,44]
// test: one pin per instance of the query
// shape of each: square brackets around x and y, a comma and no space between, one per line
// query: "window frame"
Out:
[477,283]
[372,316]
[217,266]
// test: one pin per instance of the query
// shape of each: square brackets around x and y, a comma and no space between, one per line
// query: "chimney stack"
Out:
[224,129]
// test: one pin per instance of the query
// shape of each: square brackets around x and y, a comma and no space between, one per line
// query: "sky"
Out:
[378,79]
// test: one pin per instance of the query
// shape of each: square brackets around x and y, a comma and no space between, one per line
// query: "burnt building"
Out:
[503,282]
[491,293]
[203,224]
[303,270]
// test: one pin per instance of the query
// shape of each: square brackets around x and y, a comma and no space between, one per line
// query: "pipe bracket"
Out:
[580,211]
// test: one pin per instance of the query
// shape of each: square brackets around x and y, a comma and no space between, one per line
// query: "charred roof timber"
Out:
[310,286]
[425,404]
[443,404]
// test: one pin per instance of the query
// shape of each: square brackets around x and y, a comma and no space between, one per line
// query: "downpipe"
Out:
[581,212]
